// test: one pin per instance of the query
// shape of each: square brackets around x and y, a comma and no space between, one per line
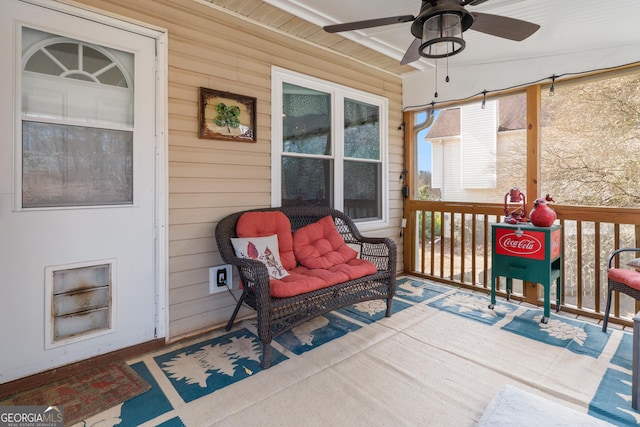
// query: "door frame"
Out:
[161,181]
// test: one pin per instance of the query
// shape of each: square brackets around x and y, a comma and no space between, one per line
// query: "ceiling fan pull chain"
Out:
[447,79]
[435,95]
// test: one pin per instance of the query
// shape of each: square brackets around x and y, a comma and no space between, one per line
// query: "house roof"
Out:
[512,112]
[446,124]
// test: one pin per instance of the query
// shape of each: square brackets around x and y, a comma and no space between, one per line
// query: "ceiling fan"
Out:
[439,26]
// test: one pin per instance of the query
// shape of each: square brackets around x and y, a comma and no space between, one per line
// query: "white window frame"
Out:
[338,93]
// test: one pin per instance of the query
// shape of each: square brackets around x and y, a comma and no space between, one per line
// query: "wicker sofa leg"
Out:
[605,322]
[235,312]
[389,303]
[266,355]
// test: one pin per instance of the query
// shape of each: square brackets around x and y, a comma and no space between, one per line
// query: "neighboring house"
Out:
[478,154]
[128,225]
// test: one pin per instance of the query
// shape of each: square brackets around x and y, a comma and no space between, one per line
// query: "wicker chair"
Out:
[621,280]
[278,315]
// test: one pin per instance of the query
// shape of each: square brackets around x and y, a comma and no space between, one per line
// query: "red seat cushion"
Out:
[630,278]
[319,245]
[262,224]
[303,279]
[296,283]
[356,268]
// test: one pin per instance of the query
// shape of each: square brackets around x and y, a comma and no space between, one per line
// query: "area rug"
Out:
[438,360]
[87,393]
[576,336]
[204,367]
[515,407]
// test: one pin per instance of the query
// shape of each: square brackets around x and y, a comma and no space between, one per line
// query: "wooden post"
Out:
[409,161]
[530,290]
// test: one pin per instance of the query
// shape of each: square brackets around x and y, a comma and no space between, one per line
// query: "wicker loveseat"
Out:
[276,315]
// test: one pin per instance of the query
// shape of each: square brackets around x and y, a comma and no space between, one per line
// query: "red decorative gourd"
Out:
[542,215]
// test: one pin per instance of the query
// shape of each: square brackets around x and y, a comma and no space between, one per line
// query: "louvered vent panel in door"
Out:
[81,301]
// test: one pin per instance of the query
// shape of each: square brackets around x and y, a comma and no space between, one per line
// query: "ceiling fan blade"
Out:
[503,26]
[413,53]
[369,23]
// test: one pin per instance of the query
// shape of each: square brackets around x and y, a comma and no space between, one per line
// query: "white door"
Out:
[78,221]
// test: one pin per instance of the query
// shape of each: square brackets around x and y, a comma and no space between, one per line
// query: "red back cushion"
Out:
[261,224]
[319,245]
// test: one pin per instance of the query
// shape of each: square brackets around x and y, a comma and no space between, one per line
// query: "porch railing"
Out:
[451,243]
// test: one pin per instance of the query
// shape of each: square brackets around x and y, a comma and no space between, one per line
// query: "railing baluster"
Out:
[580,291]
[583,269]
[596,271]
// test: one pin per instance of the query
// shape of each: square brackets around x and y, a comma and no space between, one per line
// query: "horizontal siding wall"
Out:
[209,179]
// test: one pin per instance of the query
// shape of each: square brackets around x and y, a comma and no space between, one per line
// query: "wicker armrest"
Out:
[614,254]
[380,251]
[253,273]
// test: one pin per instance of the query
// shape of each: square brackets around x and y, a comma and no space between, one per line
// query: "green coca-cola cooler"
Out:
[529,253]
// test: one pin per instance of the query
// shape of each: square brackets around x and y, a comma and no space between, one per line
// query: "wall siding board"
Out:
[191,231]
[209,179]
[201,185]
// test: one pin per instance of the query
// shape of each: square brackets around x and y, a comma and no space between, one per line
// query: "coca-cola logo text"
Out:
[523,245]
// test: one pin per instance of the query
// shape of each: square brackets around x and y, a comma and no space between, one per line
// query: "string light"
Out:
[484,99]
[551,89]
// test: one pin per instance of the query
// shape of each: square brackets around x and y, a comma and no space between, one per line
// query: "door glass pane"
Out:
[307,181]
[77,131]
[361,190]
[75,166]
[306,120]
[361,130]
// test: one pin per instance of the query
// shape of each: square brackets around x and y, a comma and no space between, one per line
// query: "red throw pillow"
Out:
[262,224]
[319,245]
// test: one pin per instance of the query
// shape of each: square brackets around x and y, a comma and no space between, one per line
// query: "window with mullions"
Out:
[332,150]
[77,123]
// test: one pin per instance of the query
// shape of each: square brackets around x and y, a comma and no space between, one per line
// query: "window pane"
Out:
[74,165]
[473,154]
[307,181]
[41,63]
[362,183]
[66,53]
[361,130]
[590,142]
[306,120]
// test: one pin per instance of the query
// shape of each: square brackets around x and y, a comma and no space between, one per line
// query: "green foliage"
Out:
[423,192]
[227,116]
[429,218]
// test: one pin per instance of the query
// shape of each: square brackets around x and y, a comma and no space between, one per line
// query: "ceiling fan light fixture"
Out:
[442,36]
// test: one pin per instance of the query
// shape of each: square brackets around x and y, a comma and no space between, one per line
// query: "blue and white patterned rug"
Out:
[191,372]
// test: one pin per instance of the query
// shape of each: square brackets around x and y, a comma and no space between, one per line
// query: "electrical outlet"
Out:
[220,278]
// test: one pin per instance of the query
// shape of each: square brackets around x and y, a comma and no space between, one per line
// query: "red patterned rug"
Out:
[87,393]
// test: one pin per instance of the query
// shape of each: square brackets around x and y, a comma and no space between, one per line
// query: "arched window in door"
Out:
[77,123]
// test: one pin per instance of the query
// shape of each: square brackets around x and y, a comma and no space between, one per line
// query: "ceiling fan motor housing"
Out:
[429,9]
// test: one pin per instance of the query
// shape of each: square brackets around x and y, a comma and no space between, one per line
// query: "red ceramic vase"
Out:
[542,215]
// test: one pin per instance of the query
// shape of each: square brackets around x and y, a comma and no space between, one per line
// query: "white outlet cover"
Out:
[213,279]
